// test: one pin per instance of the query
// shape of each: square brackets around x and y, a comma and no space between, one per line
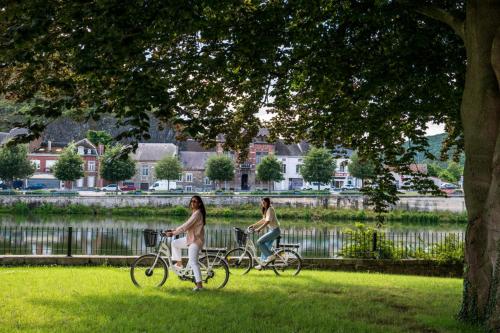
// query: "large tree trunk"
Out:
[481,121]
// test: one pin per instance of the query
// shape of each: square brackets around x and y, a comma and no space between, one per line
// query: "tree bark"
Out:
[480,113]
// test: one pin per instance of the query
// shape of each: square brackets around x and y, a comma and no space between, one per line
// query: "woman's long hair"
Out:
[201,207]
[268,204]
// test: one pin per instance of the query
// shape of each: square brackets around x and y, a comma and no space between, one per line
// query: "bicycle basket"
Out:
[150,237]
[241,237]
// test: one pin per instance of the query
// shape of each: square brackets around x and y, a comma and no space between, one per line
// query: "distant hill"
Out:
[66,129]
[435,144]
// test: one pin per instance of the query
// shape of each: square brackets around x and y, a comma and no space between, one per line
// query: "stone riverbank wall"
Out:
[417,203]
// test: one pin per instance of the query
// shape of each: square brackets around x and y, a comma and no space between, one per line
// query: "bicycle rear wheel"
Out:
[214,271]
[239,260]
[287,263]
[146,273]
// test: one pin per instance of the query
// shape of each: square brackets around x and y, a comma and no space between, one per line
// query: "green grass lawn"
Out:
[103,299]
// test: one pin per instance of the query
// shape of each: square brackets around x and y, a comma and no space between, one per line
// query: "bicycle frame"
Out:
[250,247]
[163,251]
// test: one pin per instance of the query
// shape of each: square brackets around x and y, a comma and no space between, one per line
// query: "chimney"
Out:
[100,149]
[49,146]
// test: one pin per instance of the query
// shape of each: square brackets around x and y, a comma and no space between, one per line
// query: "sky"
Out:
[435,128]
[432,129]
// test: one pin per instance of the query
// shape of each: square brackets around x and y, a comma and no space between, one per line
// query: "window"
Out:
[297,168]
[145,170]
[49,165]
[188,188]
[80,150]
[208,181]
[343,166]
[36,163]
[180,177]
[283,168]
[91,166]
[189,177]
[259,156]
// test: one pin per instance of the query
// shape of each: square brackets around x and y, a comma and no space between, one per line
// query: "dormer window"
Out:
[80,150]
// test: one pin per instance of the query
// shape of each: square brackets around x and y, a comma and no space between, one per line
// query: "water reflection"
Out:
[119,236]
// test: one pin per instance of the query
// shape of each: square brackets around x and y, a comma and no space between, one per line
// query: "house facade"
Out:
[44,156]
[146,157]
[291,157]
[245,173]
[90,155]
[194,158]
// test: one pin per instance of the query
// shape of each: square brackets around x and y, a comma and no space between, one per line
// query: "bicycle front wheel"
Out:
[287,263]
[146,271]
[240,261]
[214,271]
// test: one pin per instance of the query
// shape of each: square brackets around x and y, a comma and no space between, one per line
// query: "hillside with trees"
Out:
[435,145]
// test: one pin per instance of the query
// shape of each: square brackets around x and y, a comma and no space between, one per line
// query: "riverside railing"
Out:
[314,243]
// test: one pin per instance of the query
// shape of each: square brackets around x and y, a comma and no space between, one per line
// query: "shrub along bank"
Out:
[289,213]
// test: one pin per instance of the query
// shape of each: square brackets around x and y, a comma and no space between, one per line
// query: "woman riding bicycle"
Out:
[195,228]
[265,242]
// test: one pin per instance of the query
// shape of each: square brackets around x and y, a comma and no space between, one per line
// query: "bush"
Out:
[79,210]
[450,251]
[178,211]
[20,208]
[361,242]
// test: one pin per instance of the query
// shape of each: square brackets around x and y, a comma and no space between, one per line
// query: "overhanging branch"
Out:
[439,14]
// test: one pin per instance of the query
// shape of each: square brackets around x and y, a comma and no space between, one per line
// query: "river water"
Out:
[84,235]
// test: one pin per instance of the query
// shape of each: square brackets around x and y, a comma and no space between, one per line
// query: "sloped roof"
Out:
[85,143]
[339,152]
[4,136]
[195,160]
[154,151]
[420,168]
[260,137]
[55,147]
[193,145]
[294,149]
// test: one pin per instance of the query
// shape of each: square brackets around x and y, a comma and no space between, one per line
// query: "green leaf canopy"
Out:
[69,166]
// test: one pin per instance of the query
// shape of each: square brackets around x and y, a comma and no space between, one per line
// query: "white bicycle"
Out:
[151,270]
[242,259]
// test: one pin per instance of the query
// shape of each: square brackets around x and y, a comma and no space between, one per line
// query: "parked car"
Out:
[3,186]
[127,186]
[314,186]
[36,186]
[454,192]
[348,187]
[17,184]
[163,185]
[110,188]
[448,186]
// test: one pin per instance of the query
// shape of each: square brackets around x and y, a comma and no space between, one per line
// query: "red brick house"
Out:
[245,173]
[45,154]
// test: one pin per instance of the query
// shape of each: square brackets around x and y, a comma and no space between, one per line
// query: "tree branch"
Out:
[458,25]
[439,14]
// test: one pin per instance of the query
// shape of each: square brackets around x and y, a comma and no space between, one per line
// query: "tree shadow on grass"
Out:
[291,305]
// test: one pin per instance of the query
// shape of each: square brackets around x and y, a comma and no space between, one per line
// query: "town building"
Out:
[291,157]
[44,156]
[146,157]
[194,160]
[245,173]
